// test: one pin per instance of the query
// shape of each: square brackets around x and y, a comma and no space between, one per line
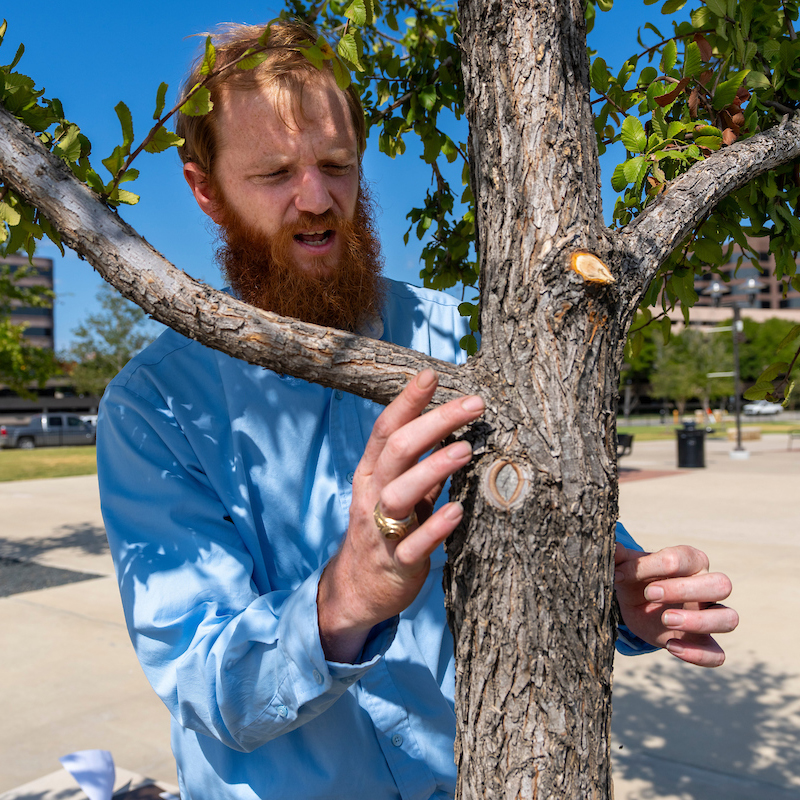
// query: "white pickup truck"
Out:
[48,430]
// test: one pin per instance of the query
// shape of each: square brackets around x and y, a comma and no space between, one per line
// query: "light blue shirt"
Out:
[225,490]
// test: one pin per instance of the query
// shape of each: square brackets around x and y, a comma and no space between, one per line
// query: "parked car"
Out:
[762,408]
[48,430]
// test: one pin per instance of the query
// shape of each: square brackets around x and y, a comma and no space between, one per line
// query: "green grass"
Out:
[653,433]
[47,462]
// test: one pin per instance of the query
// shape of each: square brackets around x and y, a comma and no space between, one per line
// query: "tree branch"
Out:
[372,369]
[656,232]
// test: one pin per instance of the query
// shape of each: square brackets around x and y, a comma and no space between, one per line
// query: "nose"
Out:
[313,194]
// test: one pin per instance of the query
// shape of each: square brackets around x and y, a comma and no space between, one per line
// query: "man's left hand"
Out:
[671,600]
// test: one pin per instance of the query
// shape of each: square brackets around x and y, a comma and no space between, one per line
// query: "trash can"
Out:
[691,446]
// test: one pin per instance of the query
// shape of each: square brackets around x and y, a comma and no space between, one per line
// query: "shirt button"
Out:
[397,740]
[350,476]
[317,676]
[337,394]
[283,711]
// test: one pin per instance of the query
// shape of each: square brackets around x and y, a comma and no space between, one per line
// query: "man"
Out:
[275,542]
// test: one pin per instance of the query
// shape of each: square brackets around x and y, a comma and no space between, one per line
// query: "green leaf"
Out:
[427,97]
[9,215]
[708,251]
[700,18]
[647,76]
[669,56]
[789,338]
[161,99]
[618,179]
[634,168]
[717,7]
[199,104]
[711,142]
[209,58]
[605,5]
[726,91]
[163,139]
[252,59]
[349,51]
[693,62]
[757,80]
[341,74]
[772,372]
[600,75]
[671,6]
[126,122]
[469,343]
[115,161]
[357,12]
[758,391]
[633,135]
[69,148]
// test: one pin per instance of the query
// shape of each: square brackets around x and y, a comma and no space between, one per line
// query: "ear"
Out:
[202,190]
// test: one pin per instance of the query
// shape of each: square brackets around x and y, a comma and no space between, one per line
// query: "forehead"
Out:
[285,115]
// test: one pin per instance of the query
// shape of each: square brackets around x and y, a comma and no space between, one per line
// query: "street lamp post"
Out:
[716,289]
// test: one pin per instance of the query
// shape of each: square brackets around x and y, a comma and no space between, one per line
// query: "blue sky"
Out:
[110,52]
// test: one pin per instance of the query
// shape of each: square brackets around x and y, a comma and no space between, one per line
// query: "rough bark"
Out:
[529,578]
[529,574]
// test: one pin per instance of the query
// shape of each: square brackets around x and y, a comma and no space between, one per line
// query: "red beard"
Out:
[261,271]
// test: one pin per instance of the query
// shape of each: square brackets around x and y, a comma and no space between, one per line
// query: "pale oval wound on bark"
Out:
[506,484]
[590,268]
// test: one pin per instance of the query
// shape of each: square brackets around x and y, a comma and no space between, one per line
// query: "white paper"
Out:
[93,770]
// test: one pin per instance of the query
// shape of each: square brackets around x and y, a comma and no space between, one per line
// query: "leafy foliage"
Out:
[106,341]
[724,71]
[21,364]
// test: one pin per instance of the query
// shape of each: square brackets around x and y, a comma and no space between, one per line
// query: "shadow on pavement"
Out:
[85,537]
[740,724]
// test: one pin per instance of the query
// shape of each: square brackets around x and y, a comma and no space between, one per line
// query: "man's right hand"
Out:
[372,578]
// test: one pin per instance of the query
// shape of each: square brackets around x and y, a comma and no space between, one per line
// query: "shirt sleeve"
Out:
[629,644]
[228,661]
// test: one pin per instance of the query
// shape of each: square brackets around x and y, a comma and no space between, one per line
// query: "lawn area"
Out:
[652,433]
[47,462]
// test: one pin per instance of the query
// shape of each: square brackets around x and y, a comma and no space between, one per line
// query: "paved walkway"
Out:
[680,733]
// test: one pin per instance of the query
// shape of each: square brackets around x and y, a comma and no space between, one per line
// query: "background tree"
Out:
[22,366]
[681,368]
[530,571]
[106,342]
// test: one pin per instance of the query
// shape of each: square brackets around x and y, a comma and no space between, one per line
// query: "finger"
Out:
[402,495]
[671,562]
[410,403]
[417,547]
[407,444]
[716,619]
[702,651]
[707,587]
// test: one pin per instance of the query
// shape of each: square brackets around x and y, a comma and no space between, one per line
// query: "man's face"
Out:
[285,163]
[297,231]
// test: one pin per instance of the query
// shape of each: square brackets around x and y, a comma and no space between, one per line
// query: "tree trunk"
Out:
[529,574]
[529,579]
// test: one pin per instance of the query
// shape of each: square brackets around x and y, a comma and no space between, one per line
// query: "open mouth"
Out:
[314,238]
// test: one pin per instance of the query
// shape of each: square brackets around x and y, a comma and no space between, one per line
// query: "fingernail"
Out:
[453,511]
[653,593]
[426,378]
[672,619]
[459,450]
[473,403]
[676,647]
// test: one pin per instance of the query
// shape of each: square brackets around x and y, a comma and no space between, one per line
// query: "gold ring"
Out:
[393,528]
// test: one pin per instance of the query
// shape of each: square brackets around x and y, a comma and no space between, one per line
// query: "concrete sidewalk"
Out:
[680,733]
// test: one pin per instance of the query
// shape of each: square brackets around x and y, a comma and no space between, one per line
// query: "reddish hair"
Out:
[286,68]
